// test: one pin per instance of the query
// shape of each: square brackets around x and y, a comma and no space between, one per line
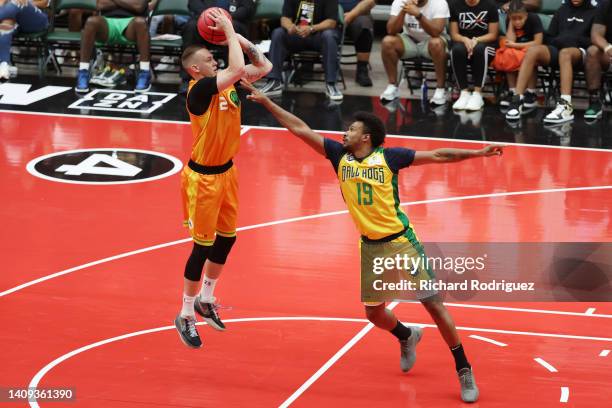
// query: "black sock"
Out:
[593,95]
[460,358]
[400,331]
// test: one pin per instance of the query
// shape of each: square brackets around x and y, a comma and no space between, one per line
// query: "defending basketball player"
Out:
[210,180]
[374,207]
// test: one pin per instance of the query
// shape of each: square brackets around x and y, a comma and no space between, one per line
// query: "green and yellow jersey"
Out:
[369,188]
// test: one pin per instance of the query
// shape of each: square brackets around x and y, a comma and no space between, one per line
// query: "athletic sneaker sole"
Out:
[594,117]
[557,121]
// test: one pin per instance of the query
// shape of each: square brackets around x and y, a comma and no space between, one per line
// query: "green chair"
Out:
[61,38]
[169,7]
[545,19]
[550,6]
[268,9]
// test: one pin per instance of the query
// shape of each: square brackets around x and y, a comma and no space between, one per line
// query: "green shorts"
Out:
[116,28]
[395,270]
[413,49]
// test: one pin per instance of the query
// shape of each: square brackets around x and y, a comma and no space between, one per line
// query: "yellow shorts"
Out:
[210,204]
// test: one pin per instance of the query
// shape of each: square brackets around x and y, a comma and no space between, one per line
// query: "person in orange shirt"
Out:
[210,180]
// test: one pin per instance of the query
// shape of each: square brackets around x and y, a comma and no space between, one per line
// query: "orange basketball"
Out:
[205,22]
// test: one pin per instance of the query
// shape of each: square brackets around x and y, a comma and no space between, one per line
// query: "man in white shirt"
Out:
[416,28]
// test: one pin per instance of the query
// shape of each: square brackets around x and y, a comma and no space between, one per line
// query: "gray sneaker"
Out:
[208,311]
[469,390]
[408,349]
[272,87]
[186,328]
[332,92]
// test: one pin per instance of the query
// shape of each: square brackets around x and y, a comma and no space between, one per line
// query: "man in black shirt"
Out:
[474,26]
[599,57]
[566,43]
[122,22]
[306,25]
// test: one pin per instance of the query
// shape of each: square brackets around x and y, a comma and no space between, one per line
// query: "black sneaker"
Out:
[515,110]
[594,111]
[186,328]
[208,311]
[530,100]
[363,76]
[506,100]
[272,87]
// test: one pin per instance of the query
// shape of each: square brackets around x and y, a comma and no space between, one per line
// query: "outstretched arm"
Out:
[294,124]
[260,66]
[449,155]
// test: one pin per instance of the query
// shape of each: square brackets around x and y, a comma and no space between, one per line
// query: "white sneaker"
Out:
[475,102]
[439,97]
[4,70]
[461,103]
[564,112]
[391,93]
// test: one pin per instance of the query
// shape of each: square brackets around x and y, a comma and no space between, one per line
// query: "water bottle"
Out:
[424,97]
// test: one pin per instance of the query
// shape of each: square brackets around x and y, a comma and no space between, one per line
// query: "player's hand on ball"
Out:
[222,23]
[492,150]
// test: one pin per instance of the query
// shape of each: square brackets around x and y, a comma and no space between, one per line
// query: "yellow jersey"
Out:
[215,122]
[369,188]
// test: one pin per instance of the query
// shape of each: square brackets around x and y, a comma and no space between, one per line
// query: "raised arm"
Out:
[294,124]
[235,67]
[260,66]
[449,155]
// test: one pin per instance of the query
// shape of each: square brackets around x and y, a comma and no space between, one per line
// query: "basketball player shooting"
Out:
[209,182]
[375,209]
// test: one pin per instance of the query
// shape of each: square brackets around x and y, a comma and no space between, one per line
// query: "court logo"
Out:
[122,101]
[20,94]
[104,166]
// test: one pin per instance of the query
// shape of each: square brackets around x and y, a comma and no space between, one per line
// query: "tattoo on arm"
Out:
[254,54]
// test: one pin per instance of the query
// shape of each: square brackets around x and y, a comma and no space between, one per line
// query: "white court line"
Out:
[42,372]
[546,365]
[179,122]
[331,362]
[590,311]
[604,353]
[564,394]
[488,340]
[295,219]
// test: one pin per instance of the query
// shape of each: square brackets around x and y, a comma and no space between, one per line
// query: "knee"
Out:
[388,43]
[278,34]
[221,249]
[93,23]
[436,45]
[593,52]
[329,36]
[372,312]
[140,22]
[459,49]
[565,55]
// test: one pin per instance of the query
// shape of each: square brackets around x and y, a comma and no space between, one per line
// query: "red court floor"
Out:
[292,281]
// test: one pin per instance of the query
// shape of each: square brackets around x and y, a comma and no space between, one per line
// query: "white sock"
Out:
[208,288]
[531,90]
[187,309]
[465,92]
[83,65]
[567,98]
[439,92]
[513,91]
[145,65]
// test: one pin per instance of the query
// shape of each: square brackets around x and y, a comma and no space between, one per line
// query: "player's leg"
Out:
[224,241]
[383,318]
[200,206]
[446,326]
[95,29]
[392,49]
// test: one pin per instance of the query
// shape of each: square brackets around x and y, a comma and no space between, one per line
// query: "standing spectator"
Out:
[360,28]
[599,57]
[241,11]
[18,16]
[423,35]
[122,22]
[306,25]
[474,28]
[569,35]
[524,31]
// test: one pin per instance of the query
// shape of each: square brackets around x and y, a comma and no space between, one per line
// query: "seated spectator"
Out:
[306,26]
[422,25]
[524,31]
[241,11]
[360,28]
[474,26]
[122,23]
[568,37]
[168,23]
[599,57]
[18,16]
[530,5]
